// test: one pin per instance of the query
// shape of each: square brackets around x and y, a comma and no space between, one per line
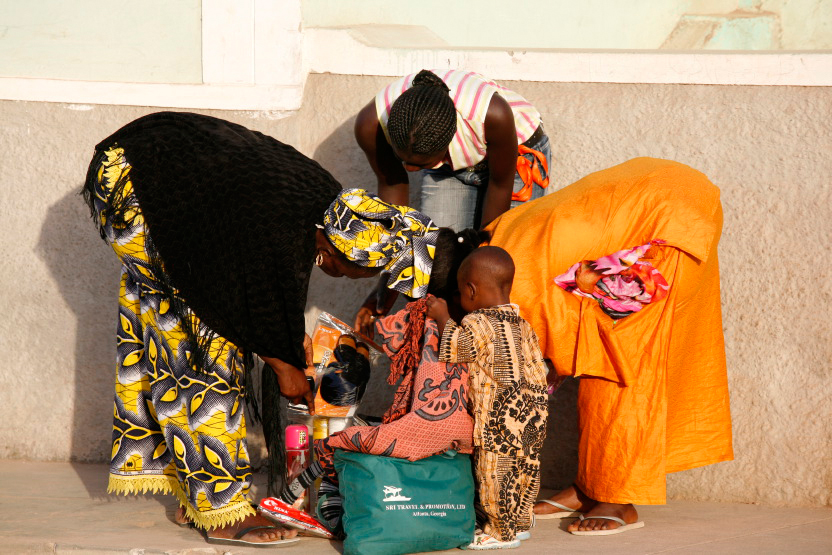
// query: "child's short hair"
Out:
[490,263]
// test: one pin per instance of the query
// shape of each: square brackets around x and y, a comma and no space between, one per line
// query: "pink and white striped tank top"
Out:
[471,93]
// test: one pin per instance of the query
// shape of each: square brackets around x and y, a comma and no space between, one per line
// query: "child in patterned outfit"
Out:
[507,394]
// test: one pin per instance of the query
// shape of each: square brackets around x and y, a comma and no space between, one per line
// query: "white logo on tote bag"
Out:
[392,493]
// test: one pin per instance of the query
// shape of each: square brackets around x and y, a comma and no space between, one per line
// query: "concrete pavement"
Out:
[63,508]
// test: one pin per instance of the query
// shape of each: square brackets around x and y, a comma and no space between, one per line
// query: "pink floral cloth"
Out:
[626,285]
[430,413]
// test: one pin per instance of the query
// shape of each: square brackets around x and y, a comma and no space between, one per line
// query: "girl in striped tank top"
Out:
[478,147]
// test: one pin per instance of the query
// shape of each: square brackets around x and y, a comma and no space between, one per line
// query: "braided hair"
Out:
[423,119]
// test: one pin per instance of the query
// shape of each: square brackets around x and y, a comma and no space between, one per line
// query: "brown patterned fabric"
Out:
[508,400]
[505,499]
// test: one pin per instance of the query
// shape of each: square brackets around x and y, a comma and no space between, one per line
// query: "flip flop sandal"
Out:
[565,512]
[483,541]
[623,528]
[237,539]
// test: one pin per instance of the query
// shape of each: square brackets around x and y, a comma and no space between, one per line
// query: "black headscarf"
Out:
[231,215]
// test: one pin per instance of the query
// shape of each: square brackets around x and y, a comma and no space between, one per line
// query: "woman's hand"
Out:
[378,303]
[292,381]
[365,319]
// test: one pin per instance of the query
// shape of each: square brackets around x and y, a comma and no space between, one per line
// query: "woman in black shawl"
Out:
[217,228]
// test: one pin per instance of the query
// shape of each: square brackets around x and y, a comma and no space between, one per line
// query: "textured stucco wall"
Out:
[767,148]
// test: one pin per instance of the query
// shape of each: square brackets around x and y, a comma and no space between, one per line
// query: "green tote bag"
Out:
[395,506]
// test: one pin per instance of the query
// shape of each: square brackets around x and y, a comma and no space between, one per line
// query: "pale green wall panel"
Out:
[594,24]
[142,41]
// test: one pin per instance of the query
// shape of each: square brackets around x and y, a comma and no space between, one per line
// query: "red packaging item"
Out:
[278,511]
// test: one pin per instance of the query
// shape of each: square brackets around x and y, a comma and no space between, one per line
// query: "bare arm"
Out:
[393,186]
[501,149]
[438,311]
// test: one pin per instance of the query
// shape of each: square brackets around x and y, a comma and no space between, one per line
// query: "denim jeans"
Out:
[454,198]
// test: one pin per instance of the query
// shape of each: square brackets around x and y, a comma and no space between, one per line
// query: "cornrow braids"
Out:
[423,119]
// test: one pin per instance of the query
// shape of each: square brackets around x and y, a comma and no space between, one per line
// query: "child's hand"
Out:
[437,309]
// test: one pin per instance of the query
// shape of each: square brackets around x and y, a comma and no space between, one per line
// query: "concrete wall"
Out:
[765,147]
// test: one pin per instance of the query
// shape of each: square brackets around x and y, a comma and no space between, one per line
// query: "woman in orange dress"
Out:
[653,397]
[618,275]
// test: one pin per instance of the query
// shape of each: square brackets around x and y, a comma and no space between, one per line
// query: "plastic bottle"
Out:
[320,427]
[320,430]
[297,454]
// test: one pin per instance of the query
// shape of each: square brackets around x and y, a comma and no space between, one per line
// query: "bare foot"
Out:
[627,513]
[181,518]
[570,497]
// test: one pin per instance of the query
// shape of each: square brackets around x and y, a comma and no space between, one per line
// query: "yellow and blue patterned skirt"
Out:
[176,429]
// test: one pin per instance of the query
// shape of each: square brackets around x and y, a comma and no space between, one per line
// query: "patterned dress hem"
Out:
[216,518]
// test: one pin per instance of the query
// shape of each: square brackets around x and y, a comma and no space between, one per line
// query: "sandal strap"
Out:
[612,518]
[558,505]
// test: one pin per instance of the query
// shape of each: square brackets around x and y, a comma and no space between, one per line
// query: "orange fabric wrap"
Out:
[529,172]
[655,394]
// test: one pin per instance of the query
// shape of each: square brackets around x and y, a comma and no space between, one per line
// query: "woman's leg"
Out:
[622,454]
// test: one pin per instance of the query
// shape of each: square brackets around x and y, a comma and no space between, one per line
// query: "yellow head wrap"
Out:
[373,233]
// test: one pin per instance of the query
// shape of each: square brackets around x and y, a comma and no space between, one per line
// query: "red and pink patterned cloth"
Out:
[429,412]
[627,282]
